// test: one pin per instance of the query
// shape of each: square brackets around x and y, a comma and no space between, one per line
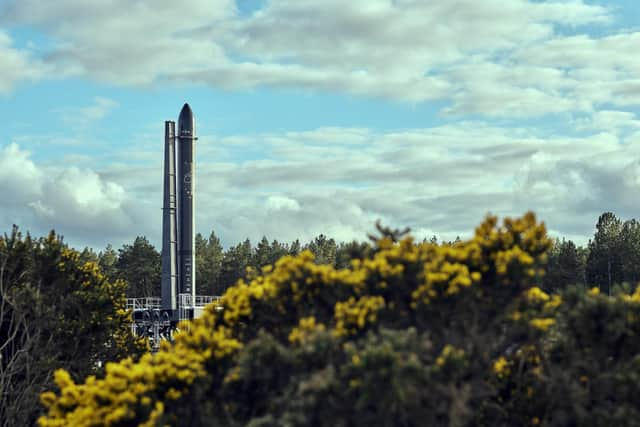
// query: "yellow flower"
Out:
[353,315]
[501,367]
[542,323]
[306,327]
[535,294]
[355,359]
[448,353]
[553,303]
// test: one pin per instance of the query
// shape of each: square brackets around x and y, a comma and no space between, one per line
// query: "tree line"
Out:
[611,258]
[139,263]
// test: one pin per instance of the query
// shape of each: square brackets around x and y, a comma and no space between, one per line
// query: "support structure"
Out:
[157,318]
[169,222]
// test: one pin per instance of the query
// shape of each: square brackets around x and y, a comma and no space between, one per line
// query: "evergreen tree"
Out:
[139,265]
[630,241]
[107,260]
[88,255]
[324,249]
[262,254]
[604,265]
[352,250]
[209,257]
[278,250]
[294,248]
[234,264]
[564,267]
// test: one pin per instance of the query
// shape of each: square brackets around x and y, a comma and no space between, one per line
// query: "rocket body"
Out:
[186,218]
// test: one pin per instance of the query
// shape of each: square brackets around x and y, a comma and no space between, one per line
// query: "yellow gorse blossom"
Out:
[449,353]
[501,367]
[353,315]
[553,303]
[306,327]
[136,393]
[542,323]
[535,294]
[634,297]
[130,384]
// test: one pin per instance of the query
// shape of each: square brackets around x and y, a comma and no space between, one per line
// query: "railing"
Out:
[202,300]
[187,300]
[149,303]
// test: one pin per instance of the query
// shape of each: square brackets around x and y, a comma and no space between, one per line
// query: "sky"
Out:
[319,116]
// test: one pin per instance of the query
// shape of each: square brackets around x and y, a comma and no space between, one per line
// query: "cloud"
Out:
[440,180]
[17,65]
[83,117]
[495,58]
[611,120]
[282,203]
[79,203]
[497,61]
[121,42]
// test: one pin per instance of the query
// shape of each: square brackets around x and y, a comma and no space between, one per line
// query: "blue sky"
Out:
[319,117]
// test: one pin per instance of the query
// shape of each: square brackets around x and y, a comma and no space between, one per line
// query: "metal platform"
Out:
[153,322]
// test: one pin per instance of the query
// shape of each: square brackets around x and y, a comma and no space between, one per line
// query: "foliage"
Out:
[604,267]
[107,260]
[458,334]
[565,267]
[585,371]
[382,342]
[209,257]
[235,263]
[139,265]
[56,309]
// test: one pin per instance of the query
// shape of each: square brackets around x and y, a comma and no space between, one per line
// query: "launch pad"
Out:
[156,318]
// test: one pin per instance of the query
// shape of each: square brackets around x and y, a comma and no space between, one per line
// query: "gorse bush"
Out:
[412,335]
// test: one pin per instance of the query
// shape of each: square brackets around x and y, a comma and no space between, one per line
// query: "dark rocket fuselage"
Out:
[186,241]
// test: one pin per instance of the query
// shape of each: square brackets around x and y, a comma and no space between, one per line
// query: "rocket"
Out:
[178,242]
[186,242]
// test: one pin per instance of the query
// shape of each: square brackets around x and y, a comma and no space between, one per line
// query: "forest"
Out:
[612,257]
[506,328]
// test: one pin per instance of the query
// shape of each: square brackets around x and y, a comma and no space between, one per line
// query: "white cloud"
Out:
[20,178]
[17,65]
[282,203]
[122,42]
[439,180]
[77,202]
[607,120]
[83,117]
[502,58]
